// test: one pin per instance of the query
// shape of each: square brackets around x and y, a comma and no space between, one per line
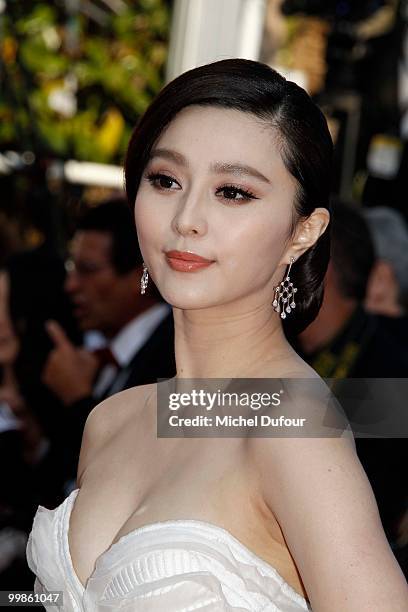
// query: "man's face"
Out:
[100,295]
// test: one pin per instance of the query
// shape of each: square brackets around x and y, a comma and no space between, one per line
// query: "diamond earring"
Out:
[144,280]
[284,292]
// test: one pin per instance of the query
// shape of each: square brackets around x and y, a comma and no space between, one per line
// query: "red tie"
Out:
[104,356]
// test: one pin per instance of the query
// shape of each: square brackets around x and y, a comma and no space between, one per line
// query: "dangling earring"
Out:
[144,280]
[284,292]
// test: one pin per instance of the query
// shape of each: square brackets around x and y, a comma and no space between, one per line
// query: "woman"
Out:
[229,167]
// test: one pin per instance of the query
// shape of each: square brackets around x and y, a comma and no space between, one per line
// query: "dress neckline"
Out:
[206,526]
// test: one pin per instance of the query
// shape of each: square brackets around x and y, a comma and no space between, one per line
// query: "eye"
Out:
[163,182]
[160,181]
[233,191]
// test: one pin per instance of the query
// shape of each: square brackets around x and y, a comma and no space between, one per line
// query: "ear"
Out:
[382,283]
[307,233]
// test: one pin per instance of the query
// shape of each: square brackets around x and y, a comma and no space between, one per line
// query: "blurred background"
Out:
[75,75]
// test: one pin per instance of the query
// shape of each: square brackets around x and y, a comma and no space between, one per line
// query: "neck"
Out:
[228,341]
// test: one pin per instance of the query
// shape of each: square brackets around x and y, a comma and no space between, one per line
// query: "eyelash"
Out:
[247,195]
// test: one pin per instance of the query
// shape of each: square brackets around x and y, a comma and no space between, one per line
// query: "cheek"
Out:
[254,249]
[141,219]
[104,291]
[150,222]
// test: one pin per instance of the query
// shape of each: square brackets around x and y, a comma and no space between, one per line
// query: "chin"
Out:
[189,291]
[188,300]
[86,325]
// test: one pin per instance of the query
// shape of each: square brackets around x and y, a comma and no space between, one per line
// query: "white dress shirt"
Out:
[127,343]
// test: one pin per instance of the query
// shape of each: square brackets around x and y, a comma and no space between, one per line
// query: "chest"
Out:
[138,479]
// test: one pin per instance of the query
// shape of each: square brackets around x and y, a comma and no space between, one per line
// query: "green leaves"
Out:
[70,87]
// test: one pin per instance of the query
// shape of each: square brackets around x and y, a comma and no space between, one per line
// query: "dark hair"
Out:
[303,136]
[352,249]
[114,217]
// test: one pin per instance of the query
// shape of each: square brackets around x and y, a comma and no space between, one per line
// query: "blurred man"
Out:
[344,340]
[387,291]
[103,282]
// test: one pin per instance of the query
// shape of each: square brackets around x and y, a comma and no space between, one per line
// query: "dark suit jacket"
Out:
[155,359]
[381,352]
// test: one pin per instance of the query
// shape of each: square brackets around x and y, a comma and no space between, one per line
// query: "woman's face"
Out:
[215,186]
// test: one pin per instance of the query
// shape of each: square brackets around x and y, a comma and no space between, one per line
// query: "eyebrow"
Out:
[217,167]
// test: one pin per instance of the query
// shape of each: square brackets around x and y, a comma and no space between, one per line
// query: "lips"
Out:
[79,312]
[186,262]
[186,256]
[80,308]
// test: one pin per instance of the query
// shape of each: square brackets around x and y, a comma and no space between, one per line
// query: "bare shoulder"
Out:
[109,417]
[317,490]
[307,395]
[296,367]
[320,495]
[325,438]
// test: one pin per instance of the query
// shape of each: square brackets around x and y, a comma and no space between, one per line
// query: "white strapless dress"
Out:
[170,566]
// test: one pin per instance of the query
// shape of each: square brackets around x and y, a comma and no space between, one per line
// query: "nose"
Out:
[190,218]
[72,282]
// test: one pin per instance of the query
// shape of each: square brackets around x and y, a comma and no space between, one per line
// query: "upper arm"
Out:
[322,499]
